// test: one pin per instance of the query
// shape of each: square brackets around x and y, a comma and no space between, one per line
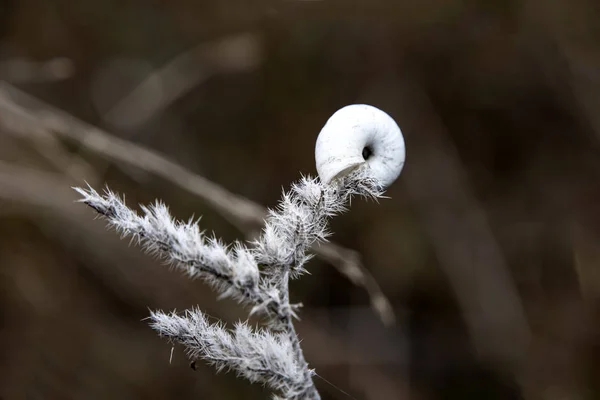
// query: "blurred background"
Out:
[478,279]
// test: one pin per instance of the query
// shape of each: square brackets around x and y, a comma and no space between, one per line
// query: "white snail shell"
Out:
[357,135]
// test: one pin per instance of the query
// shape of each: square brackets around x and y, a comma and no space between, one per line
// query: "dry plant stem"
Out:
[29,190]
[256,274]
[27,116]
[312,393]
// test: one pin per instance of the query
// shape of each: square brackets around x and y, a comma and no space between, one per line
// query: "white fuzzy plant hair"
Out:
[359,151]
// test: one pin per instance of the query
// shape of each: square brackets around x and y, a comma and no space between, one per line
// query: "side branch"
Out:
[232,271]
[259,356]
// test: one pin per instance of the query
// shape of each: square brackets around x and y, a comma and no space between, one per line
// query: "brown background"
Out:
[488,248]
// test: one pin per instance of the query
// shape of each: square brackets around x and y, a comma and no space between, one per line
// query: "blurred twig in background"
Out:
[19,70]
[462,239]
[179,76]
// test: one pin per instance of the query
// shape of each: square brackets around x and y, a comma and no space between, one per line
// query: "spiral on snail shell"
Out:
[360,135]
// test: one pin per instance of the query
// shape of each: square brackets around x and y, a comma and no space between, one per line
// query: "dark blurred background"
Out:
[488,249]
